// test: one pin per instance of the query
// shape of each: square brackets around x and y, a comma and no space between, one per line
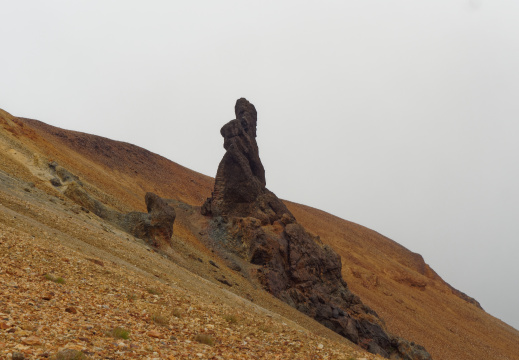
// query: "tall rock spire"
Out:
[239,188]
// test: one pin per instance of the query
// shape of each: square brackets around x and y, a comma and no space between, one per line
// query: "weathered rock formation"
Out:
[239,188]
[292,264]
[154,227]
[61,175]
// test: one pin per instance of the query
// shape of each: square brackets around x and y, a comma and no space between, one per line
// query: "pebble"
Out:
[71,310]
[31,340]
[18,356]
[155,334]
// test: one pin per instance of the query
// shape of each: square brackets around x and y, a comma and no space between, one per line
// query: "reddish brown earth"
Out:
[413,300]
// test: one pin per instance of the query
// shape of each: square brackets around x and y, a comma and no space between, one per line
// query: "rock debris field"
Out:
[60,304]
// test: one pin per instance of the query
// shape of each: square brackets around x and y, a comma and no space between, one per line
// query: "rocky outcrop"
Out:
[239,188]
[292,264]
[154,227]
[61,175]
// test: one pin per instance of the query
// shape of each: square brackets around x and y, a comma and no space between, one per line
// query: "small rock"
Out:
[71,310]
[69,354]
[32,340]
[97,262]
[55,182]
[320,346]
[335,313]
[155,334]
[224,281]
[234,266]
[4,326]
[18,356]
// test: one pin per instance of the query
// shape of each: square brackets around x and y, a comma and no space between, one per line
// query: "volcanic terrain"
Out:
[72,278]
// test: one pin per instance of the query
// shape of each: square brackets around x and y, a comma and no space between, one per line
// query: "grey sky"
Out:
[400,115]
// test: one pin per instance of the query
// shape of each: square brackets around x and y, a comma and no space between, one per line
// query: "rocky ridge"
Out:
[293,265]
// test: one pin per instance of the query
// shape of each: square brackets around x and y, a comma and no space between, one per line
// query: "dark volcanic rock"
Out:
[292,264]
[155,227]
[55,182]
[239,188]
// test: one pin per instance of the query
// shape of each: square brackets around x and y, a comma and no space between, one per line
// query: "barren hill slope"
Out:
[71,282]
[412,299]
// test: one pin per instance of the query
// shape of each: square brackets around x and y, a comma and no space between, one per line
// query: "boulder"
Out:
[156,227]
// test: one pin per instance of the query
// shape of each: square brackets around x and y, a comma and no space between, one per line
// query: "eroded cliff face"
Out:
[292,264]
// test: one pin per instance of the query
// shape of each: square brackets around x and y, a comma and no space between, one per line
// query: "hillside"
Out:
[412,299]
[36,218]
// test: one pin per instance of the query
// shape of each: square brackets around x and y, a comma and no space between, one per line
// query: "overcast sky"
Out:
[400,115]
